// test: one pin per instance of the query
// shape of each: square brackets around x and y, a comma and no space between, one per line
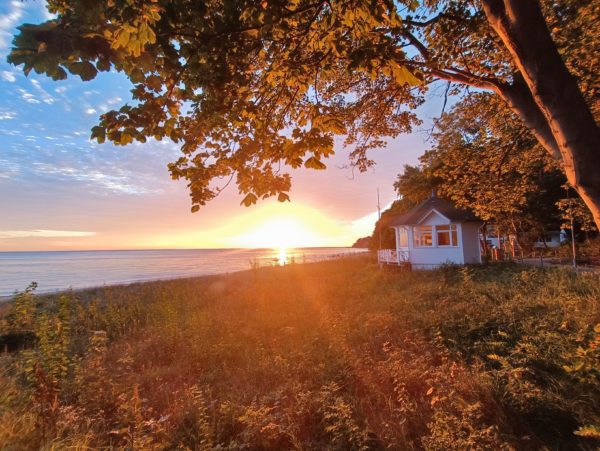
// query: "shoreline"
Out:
[8,298]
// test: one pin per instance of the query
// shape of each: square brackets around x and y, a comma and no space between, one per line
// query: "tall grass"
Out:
[331,355]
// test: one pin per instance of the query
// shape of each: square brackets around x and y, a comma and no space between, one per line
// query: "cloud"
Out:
[90,111]
[47,15]
[6,115]
[8,76]
[104,107]
[8,21]
[8,169]
[119,183]
[41,233]
[46,98]
[27,96]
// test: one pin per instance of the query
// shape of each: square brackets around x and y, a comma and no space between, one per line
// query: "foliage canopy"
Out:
[252,88]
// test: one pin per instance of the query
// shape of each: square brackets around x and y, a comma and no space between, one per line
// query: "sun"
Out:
[272,225]
[278,233]
[282,226]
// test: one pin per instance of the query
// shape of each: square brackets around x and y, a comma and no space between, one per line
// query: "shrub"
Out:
[332,355]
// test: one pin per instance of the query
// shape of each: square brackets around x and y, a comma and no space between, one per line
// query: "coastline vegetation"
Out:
[330,355]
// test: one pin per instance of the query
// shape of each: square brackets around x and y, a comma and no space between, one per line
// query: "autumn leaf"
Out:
[315,163]
[404,76]
[250,199]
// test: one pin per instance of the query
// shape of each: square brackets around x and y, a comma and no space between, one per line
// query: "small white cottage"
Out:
[432,234]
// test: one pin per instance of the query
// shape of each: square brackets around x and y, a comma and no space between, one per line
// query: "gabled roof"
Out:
[442,206]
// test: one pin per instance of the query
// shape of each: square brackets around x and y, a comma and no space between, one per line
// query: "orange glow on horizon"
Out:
[278,233]
[283,226]
[270,225]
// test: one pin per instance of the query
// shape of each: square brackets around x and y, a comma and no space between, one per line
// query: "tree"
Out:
[485,160]
[574,213]
[250,88]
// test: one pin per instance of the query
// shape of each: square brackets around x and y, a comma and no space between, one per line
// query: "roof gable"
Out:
[430,214]
[441,206]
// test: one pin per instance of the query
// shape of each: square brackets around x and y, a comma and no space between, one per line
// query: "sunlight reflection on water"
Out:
[80,269]
[282,257]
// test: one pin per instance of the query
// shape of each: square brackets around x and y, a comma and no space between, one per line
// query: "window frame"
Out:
[402,231]
[418,232]
[451,231]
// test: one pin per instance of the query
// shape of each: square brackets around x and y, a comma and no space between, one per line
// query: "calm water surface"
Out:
[54,271]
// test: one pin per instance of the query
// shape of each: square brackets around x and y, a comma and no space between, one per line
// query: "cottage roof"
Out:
[442,206]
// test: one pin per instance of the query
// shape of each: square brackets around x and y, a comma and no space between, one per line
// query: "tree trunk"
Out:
[521,102]
[522,28]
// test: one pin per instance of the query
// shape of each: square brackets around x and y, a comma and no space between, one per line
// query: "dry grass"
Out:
[333,355]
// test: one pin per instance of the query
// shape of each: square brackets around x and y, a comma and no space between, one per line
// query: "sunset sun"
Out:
[278,233]
[276,225]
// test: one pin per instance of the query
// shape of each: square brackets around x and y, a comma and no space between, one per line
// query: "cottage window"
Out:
[446,235]
[402,237]
[423,236]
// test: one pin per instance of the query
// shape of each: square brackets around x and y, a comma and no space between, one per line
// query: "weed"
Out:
[330,355]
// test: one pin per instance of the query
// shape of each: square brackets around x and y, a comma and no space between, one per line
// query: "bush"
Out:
[332,355]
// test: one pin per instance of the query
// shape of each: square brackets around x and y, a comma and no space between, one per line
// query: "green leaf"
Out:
[88,71]
[58,74]
[84,69]
[99,134]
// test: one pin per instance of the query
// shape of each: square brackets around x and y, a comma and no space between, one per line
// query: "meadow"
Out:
[330,355]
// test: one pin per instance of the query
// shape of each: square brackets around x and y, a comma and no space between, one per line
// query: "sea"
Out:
[62,270]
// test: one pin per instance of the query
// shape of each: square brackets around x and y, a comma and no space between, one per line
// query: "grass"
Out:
[331,355]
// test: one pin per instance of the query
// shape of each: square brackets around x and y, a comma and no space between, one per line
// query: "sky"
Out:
[61,191]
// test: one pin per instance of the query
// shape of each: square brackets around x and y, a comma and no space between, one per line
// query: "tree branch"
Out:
[416,23]
[490,84]
[451,74]
[417,44]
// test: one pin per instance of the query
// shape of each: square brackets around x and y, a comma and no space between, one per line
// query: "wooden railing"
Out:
[392,256]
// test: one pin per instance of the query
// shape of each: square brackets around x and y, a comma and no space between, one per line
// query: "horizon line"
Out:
[180,249]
